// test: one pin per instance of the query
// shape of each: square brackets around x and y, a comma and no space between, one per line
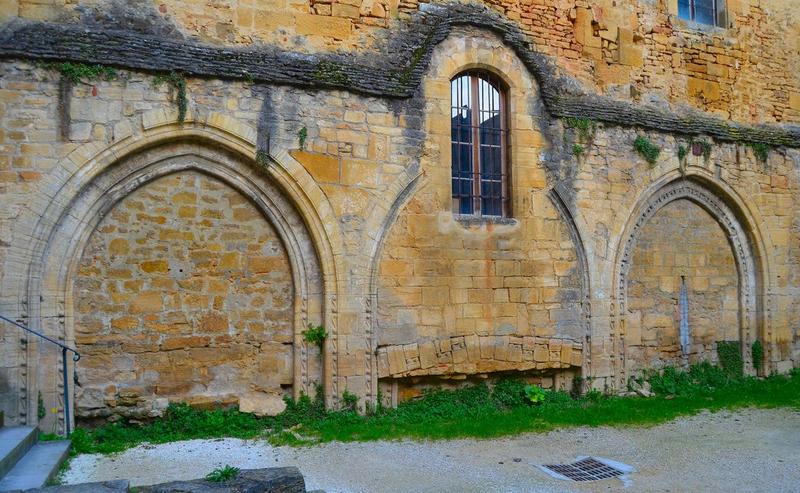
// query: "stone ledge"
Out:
[474,354]
[369,73]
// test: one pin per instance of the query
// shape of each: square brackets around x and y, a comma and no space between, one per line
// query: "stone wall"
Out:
[633,49]
[350,165]
[184,292]
[682,243]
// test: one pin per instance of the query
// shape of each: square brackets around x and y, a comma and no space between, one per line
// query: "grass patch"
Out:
[477,411]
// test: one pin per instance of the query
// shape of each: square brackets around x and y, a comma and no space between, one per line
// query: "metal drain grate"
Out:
[585,469]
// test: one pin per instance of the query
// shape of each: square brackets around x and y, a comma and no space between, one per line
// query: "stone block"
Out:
[317,25]
[262,404]
[278,479]
[324,168]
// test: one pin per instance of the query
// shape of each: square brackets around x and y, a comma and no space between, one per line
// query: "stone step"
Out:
[15,441]
[37,467]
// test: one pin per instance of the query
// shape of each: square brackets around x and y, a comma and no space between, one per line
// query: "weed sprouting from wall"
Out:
[315,335]
[302,135]
[584,127]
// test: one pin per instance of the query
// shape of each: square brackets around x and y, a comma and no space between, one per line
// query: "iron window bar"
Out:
[64,348]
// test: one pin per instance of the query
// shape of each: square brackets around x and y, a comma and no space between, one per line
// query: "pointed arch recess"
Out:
[93,179]
[742,234]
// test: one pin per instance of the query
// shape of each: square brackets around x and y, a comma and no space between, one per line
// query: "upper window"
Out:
[703,11]
[479,145]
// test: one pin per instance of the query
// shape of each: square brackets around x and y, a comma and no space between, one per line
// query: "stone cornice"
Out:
[368,73]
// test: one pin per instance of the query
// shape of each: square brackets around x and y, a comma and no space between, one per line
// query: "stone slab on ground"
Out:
[272,480]
[754,449]
[115,486]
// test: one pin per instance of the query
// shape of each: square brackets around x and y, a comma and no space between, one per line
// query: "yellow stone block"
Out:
[324,168]
[317,25]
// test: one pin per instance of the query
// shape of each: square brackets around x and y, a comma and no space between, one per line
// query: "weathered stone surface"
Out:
[204,314]
[262,404]
[352,127]
[273,480]
[561,94]
[453,356]
[116,486]
[681,244]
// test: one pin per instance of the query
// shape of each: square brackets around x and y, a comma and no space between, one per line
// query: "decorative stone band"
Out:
[395,71]
[468,355]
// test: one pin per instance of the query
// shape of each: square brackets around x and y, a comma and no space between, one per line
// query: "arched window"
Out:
[478,136]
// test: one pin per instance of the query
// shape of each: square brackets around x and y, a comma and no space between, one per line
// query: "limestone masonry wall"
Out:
[184,291]
[681,244]
[309,183]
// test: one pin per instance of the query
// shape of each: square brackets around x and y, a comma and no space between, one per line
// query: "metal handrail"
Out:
[64,348]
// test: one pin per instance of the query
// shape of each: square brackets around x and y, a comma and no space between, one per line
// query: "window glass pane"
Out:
[461,145]
[704,11]
[684,9]
[491,154]
[476,133]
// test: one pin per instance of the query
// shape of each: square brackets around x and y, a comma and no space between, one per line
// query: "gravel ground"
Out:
[748,450]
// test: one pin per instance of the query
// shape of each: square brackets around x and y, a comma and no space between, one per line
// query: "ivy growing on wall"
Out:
[81,72]
[647,150]
[177,83]
[71,74]
[585,130]
[760,151]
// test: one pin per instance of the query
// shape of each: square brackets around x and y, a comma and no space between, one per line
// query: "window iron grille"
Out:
[479,136]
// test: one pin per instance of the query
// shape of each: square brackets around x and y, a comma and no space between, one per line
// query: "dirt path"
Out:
[749,450]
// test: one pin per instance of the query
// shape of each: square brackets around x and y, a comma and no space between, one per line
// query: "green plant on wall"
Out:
[349,401]
[758,354]
[584,127]
[302,135]
[760,151]
[706,149]
[315,335]
[682,153]
[730,357]
[178,84]
[81,72]
[647,150]
[578,150]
